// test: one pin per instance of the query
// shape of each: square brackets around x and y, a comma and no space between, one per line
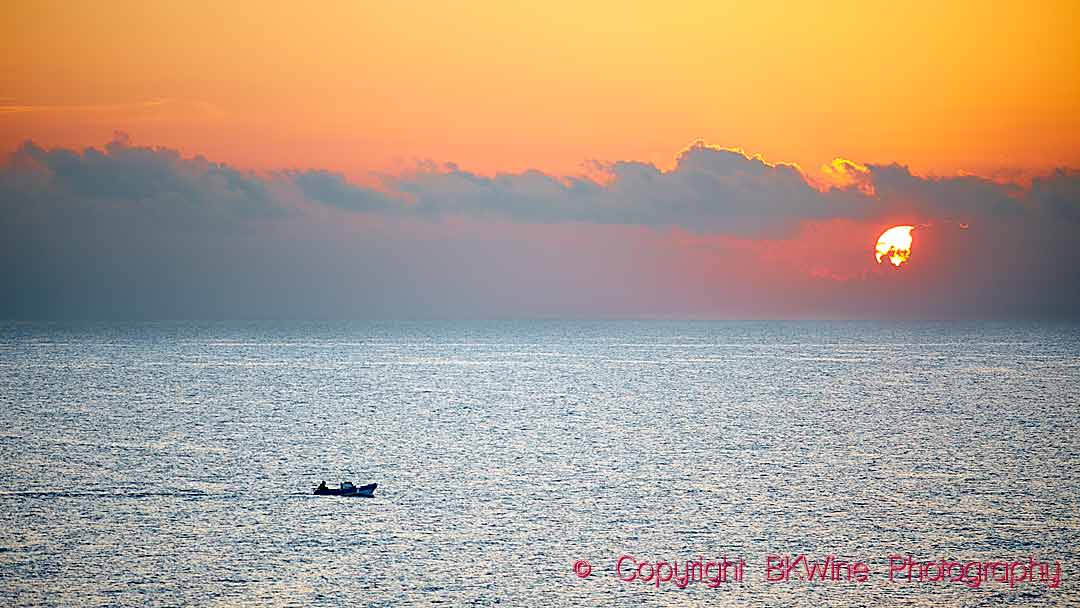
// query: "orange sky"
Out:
[978,87]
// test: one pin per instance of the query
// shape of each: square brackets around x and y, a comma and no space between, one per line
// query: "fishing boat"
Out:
[347,489]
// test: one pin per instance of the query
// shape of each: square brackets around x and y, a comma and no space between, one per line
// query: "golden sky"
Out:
[979,87]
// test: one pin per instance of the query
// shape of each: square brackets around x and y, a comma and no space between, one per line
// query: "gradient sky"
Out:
[504,159]
[979,86]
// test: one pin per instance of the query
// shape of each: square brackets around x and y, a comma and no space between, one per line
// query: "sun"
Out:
[895,244]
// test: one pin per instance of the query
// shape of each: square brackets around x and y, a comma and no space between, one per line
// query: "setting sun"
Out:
[895,244]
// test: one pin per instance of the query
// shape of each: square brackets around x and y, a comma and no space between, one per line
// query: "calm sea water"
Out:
[172,463]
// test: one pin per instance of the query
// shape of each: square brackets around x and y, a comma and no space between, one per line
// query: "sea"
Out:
[540,463]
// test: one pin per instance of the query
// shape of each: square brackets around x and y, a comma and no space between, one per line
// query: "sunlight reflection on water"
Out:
[171,463]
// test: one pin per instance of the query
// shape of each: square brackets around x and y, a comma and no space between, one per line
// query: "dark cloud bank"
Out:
[135,232]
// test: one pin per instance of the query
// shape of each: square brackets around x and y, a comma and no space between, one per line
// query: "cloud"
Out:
[132,232]
[128,182]
[332,189]
[709,190]
[1058,195]
[949,197]
[141,111]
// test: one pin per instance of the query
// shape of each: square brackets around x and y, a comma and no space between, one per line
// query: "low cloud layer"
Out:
[137,232]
